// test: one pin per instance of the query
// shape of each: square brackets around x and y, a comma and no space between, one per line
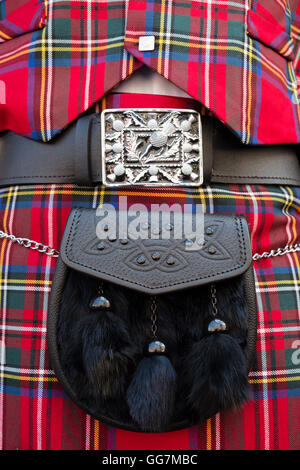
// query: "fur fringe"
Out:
[216,375]
[102,353]
[151,394]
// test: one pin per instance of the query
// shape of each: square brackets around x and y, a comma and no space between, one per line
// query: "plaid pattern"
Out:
[34,411]
[21,16]
[249,81]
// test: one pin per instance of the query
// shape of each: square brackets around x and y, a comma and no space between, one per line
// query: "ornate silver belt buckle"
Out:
[151,147]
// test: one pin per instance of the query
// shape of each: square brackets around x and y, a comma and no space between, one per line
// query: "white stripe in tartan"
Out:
[88,422]
[25,288]
[282,329]
[275,289]
[41,383]
[260,318]
[19,370]
[270,373]
[264,368]
[29,329]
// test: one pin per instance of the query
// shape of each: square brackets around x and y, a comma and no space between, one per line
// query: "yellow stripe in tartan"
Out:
[251,54]
[103,103]
[130,65]
[5,36]
[54,379]
[28,378]
[26,282]
[295,29]
[161,41]
[286,47]
[274,380]
[289,205]
[249,94]
[294,90]
[203,198]
[48,192]
[208,434]
[294,229]
[202,195]
[46,8]
[96,435]
[46,48]
[276,283]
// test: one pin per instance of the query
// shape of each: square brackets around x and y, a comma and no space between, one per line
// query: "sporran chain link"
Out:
[153,317]
[214,299]
[279,252]
[31,244]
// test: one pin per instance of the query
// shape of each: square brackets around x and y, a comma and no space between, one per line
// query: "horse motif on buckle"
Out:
[151,147]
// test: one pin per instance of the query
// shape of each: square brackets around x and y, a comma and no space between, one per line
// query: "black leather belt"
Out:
[75,157]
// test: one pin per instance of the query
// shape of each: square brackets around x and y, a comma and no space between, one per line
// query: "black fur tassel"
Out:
[151,394]
[106,352]
[216,375]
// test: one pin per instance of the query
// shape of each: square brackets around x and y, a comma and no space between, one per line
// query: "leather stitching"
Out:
[36,176]
[257,177]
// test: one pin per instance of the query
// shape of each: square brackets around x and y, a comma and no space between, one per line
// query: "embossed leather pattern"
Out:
[155,265]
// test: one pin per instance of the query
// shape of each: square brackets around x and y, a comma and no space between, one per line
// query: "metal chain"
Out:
[214,299]
[154,316]
[279,252]
[31,244]
[47,250]
[100,288]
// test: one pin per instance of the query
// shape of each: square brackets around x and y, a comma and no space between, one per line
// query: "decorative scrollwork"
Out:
[152,147]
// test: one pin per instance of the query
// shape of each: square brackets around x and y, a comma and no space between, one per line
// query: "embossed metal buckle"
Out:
[151,147]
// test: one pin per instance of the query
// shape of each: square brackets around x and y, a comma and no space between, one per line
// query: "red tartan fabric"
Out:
[34,411]
[21,16]
[240,59]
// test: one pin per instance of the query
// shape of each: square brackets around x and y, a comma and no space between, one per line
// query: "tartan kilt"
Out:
[34,411]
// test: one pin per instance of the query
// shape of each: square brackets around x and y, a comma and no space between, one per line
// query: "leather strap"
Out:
[75,157]
[82,148]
